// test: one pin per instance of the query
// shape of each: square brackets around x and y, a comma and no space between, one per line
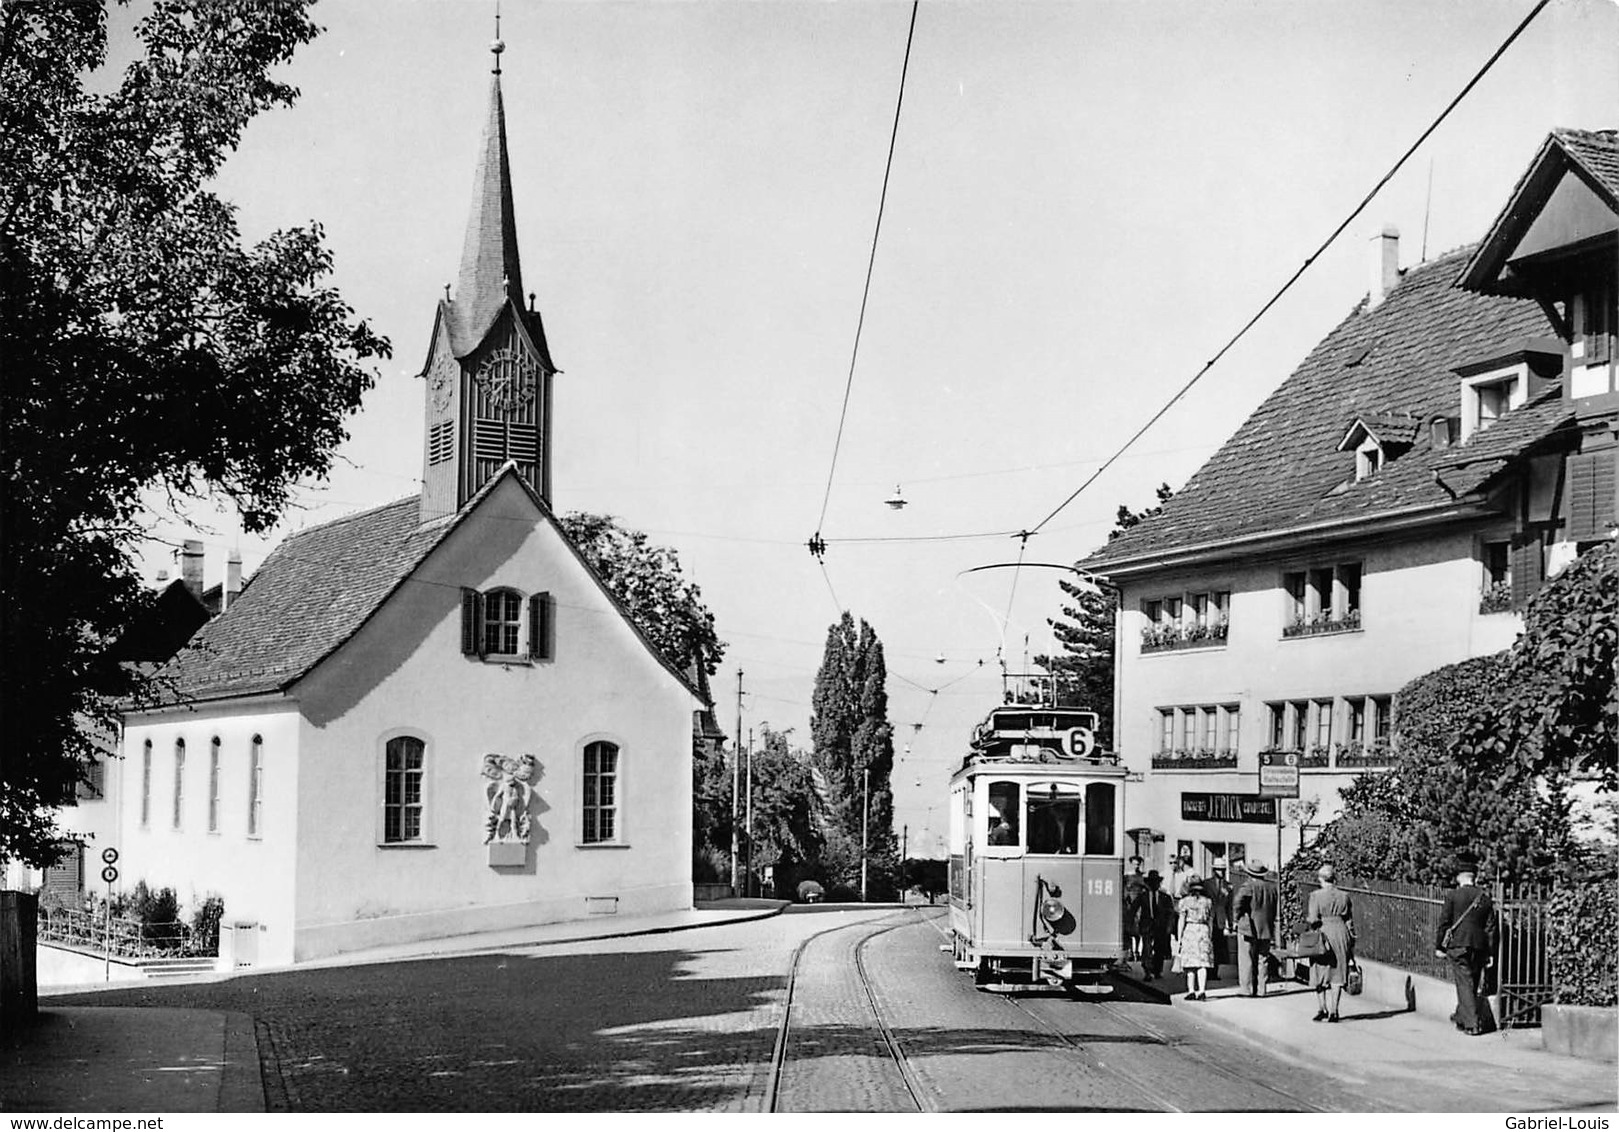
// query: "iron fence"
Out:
[129,939]
[1396,924]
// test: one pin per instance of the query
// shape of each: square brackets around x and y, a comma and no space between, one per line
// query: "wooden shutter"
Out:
[1528,568]
[471,622]
[66,878]
[1591,483]
[540,624]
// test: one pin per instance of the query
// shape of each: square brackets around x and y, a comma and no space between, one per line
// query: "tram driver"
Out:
[1003,813]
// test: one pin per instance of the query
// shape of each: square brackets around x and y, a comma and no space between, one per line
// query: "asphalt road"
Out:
[689,1022]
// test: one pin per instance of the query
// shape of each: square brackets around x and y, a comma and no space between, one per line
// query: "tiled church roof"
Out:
[313,593]
[1282,468]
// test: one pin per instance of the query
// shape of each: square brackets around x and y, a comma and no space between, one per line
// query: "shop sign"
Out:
[1251,808]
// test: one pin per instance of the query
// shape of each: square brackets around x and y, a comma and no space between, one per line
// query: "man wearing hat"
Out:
[1255,908]
[1467,936]
[1155,919]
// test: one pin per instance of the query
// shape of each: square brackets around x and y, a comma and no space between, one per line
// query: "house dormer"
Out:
[1377,438]
[1495,383]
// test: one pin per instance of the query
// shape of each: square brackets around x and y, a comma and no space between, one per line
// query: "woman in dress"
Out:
[1331,911]
[1197,940]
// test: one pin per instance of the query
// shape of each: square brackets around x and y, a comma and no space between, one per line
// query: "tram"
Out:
[1036,849]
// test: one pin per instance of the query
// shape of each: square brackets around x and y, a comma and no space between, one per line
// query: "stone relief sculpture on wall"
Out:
[509,792]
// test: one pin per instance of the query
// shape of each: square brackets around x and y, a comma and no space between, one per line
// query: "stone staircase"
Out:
[176,968]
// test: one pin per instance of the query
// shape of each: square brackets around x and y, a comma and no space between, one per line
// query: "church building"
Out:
[431,717]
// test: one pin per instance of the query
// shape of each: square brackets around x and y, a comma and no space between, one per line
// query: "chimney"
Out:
[233,581]
[1385,265]
[191,566]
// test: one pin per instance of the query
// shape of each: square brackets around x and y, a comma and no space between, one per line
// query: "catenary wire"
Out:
[871,262]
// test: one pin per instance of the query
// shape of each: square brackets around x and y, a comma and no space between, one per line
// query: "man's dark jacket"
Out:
[1476,930]
[1255,907]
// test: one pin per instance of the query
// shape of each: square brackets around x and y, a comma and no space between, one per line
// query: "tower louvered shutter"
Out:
[471,622]
[1591,486]
[540,623]
[1528,569]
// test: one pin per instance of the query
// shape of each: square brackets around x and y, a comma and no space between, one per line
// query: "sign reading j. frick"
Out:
[1228,807]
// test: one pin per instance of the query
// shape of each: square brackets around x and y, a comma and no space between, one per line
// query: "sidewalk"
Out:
[152,1059]
[1402,1060]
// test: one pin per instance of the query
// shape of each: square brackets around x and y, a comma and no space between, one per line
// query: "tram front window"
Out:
[1003,813]
[1099,816]
[1054,818]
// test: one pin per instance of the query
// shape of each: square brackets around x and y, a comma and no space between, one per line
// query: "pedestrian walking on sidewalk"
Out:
[1155,920]
[1255,909]
[1219,894]
[1197,938]
[1330,910]
[1134,885]
[1467,935]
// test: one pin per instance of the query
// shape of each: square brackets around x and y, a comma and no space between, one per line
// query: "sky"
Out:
[1087,199]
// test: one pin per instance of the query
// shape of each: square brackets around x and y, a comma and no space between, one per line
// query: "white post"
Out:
[106,965]
[865,814]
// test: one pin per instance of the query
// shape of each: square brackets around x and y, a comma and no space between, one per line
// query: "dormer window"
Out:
[1490,401]
[1368,459]
[1505,378]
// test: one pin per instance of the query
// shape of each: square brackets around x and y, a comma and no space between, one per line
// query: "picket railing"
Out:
[130,939]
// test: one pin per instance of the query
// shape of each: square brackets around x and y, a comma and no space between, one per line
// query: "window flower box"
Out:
[1162,638]
[1496,598]
[1320,626]
[1195,760]
[1377,753]
[1315,757]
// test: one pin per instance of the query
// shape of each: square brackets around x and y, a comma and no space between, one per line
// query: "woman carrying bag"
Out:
[1331,911]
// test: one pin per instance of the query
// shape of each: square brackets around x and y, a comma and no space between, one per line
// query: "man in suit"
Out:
[1155,920]
[1218,890]
[1255,909]
[1467,935]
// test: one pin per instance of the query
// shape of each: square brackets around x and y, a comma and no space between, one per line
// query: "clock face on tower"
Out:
[507,379]
[441,381]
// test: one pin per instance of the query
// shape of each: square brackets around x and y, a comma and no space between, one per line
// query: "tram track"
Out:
[890,1041]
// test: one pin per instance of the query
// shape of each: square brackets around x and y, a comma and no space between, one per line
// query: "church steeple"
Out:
[488,369]
[490,269]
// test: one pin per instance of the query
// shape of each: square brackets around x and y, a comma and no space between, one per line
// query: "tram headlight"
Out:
[1052,910]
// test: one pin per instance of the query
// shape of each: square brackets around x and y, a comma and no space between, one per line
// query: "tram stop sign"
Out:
[1079,742]
[1278,774]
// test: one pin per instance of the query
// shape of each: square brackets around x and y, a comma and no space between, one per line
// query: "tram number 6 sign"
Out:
[1080,742]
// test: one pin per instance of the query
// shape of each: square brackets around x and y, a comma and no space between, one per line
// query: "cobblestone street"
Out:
[690,1022]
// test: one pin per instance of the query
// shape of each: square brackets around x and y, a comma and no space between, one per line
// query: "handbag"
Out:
[1354,981]
[1312,944]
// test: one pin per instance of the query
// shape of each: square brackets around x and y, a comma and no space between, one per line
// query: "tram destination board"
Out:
[1250,808]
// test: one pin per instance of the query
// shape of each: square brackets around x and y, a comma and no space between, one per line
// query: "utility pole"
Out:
[736,784]
[904,845]
[747,885]
[865,814]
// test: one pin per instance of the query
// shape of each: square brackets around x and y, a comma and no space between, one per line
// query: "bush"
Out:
[157,910]
[205,924]
[1583,934]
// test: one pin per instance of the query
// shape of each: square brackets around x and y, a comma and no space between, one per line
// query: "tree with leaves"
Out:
[1409,822]
[785,833]
[145,349]
[1556,713]
[1084,631]
[647,580]
[853,748]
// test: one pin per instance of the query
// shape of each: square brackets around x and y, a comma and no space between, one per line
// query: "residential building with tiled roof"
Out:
[1387,510]
[431,717]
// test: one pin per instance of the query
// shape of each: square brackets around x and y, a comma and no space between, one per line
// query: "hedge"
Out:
[1583,942]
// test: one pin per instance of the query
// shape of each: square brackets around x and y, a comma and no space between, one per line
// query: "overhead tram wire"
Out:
[1336,232]
[817,544]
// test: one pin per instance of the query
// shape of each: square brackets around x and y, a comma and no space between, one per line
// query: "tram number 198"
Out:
[1096,886]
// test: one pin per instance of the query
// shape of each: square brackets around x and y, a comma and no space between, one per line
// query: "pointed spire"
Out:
[490,271]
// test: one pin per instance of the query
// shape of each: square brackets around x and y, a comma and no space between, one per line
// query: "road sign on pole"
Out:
[1278,774]
[108,874]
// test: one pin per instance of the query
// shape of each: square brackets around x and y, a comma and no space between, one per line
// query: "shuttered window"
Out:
[541,623]
[65,879]
[146,783]
[1528,569]
[255,787]
[213,786]
[502,621]
[179,780]
[1591,485]
[471,623]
